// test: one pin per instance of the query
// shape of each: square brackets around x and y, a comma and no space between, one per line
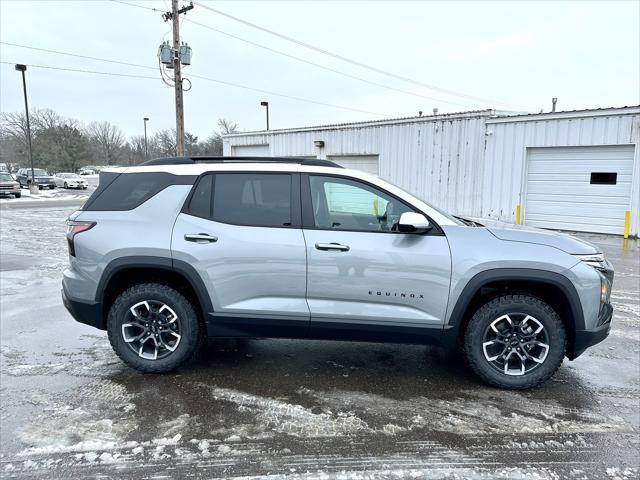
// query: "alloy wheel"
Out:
[515,344]
[152,330]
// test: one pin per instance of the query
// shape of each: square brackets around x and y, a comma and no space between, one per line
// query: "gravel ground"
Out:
[294,409]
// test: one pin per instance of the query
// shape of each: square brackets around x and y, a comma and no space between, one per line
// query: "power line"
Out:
[135,5]
[323,67]
[355,77]
[221,82]
[83,71]
[308,62]
[58,52]
[349,60]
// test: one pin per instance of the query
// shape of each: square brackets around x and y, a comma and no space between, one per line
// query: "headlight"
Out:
[603,267]
[596,260]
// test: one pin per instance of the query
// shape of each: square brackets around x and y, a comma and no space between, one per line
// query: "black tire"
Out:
[514,306]
[65,185]
[190,328]
[17,195]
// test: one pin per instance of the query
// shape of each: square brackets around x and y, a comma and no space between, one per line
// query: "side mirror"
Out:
[411,222]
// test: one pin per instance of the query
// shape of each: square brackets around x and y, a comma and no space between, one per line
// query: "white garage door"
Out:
[585,189]
[366,163]
[250,150]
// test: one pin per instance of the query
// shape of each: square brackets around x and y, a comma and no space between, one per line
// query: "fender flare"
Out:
[451,330]
[160,263]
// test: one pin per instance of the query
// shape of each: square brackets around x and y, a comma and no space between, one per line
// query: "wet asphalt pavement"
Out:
[301,409]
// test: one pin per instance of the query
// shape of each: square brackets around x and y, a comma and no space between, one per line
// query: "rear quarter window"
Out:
[127,191]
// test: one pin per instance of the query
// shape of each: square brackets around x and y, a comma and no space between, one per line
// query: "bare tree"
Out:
[213,145]
[227,127]
[107,139]
[165,141]
[14,124]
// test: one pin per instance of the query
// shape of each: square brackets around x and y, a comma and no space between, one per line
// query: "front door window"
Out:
[342,204]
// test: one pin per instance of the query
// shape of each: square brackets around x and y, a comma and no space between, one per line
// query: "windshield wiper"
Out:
[468,222]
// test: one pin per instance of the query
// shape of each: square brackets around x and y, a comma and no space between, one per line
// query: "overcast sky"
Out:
[586,53]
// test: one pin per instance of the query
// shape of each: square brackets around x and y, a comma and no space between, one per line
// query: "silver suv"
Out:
[165,254]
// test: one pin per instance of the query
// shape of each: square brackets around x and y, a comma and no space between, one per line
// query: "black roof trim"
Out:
[193,160]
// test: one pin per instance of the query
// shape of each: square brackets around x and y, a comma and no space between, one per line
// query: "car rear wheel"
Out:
[18,195]
[65,185]
[515,342]
[153,328]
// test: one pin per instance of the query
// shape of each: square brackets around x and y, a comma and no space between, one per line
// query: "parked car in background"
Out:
[70,180]
[8,186]
[86,171]
[42,178]
[4,168]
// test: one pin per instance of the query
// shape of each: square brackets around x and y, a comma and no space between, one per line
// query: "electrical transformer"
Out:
[165,53]
[185,54]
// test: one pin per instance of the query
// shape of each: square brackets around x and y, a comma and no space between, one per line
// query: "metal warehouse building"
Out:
[577,170]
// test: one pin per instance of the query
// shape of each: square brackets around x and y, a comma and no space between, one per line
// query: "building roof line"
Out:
[588,112]
[375,123]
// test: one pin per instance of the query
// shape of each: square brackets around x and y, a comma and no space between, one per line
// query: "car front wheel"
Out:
[153,328]
[515,342]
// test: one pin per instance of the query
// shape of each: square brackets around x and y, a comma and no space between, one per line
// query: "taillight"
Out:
[73,228]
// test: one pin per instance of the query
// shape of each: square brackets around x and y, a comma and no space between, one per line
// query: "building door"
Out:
[585,189]
[364,163]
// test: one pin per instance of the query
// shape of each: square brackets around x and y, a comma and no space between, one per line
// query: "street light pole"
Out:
[33,188]
[266,104]
[146,150]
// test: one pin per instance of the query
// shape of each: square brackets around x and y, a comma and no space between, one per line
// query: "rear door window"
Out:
[200,202]
[253,199]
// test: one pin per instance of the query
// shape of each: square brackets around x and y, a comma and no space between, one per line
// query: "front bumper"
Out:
[587,338]
[84,312]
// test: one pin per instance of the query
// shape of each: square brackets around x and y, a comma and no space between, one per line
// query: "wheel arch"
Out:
[552,287]
[125,272]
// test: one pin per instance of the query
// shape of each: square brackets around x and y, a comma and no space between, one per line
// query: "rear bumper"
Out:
[84,312]
[587,338]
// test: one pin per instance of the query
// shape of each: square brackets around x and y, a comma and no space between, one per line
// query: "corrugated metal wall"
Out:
[438,159]
[509,138]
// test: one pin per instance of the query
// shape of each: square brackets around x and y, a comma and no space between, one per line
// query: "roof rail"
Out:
[192,160]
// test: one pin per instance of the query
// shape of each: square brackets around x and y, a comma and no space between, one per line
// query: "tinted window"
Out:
[262,200]
[129,190]
[341,204]
[200,203]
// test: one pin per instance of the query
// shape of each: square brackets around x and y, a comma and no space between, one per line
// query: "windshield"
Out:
[5,177]
[38,172]
[70,175]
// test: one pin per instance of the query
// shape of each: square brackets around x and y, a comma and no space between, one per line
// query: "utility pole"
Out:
[178,79]
[180,55]
[33,188]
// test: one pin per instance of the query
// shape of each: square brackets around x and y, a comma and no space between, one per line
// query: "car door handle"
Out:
[332,246]
[200,238]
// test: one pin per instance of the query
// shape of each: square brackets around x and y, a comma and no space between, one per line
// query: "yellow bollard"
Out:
[518,214]
[627,223]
